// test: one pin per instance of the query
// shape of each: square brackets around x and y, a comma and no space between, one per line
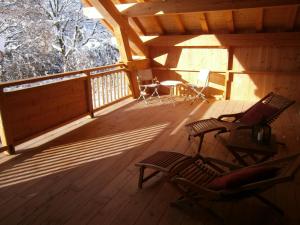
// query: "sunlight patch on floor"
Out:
[64,157]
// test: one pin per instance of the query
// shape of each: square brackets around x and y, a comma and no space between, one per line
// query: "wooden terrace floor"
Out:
[87,175]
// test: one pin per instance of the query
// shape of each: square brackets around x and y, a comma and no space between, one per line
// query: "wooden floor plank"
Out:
[87,175]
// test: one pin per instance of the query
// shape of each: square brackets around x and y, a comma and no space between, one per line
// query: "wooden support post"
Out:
[89,94]
[126,57]
[228,79]
[5,130]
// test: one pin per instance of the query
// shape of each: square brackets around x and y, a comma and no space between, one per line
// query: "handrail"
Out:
[59,75]
[107,72]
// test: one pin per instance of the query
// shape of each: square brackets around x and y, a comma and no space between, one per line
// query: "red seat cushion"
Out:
[258,113]
[242,177]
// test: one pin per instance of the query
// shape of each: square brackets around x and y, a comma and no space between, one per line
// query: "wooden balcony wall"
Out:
[30,111]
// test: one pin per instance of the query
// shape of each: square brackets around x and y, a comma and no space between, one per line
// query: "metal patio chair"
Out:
[148,85]
[200,85]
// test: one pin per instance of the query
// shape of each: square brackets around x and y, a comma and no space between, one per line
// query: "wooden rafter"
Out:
[292,15]
[222,40]
[139,25]
[112,15]
[180,24]
[259,26]
[159,25]
[107,25]
[203,23]
[192,6]
[229,21]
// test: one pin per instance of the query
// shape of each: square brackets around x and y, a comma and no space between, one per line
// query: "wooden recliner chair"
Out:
[207,179]
[263,112]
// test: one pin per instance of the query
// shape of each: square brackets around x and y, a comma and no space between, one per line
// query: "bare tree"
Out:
[50,36]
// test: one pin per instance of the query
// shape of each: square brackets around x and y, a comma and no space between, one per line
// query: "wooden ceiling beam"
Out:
[193,6]
[107,25]
[223,40]
[113,16]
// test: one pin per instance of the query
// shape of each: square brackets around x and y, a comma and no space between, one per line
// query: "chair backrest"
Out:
[145,75]
[203,78]
[277,102]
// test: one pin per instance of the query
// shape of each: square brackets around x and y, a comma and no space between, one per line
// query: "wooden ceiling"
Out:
[169,17]
[140,18]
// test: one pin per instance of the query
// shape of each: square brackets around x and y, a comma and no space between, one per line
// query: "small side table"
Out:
[241,144]
[171,84]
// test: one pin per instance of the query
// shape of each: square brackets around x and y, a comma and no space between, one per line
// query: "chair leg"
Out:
[200,143]
[141,177]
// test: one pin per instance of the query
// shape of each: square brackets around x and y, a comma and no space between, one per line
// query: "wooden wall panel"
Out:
[190,58]
[255,86]
[267,59]
[34,110]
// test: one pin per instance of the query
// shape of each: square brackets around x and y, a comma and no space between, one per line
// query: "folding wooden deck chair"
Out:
[207,179]
[216,180]
[263,112]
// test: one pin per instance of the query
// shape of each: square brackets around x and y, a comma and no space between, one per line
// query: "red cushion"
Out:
[243,176]
[258,113]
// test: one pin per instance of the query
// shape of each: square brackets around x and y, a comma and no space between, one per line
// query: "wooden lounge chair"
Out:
[207,179]
[167,162]
[263,112]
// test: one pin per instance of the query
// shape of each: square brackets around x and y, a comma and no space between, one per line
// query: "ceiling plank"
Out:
[113,16]
[193,6]
[259,26]
[223,40]
[203,23]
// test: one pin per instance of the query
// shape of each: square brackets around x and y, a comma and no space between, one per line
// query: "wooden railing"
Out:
[108,87]
[33,106]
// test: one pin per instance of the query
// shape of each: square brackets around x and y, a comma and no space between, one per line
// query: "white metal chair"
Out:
[147,81]
[201,84]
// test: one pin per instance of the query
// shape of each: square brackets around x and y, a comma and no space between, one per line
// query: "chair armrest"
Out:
[218,162]
[236,116]
[184,185]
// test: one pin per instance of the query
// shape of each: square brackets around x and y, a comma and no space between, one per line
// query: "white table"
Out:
[171,84]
